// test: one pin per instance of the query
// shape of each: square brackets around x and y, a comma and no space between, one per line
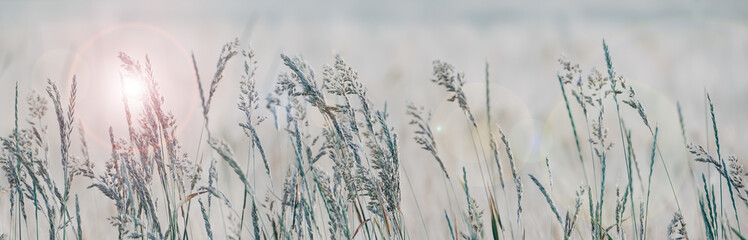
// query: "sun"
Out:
[132,88]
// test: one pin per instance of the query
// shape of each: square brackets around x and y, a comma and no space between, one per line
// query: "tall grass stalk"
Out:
[611,75]
[573,129]
[649,185]
[722,161]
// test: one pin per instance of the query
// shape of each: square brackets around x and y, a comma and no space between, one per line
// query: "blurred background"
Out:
[672,51]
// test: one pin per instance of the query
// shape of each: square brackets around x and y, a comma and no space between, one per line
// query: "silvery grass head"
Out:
[424,137]
[446,75]
[733,172]
[676,230]
[249,102]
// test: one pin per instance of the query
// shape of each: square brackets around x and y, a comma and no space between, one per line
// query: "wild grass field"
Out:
[362,120]
[341,177]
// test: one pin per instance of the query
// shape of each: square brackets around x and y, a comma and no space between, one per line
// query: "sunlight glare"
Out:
[132,88]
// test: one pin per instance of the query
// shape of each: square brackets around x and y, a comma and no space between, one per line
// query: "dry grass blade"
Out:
[249,102]
[424,136]
[223,150]
[474,213]
[495,149]
[547,199]
[445,75]
[517,179]
[570,222]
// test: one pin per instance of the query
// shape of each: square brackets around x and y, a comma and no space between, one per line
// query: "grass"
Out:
[342,179]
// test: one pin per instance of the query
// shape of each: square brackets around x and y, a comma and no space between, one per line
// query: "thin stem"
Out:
[573,128]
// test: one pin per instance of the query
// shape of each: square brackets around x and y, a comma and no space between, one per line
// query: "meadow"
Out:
[334,167]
